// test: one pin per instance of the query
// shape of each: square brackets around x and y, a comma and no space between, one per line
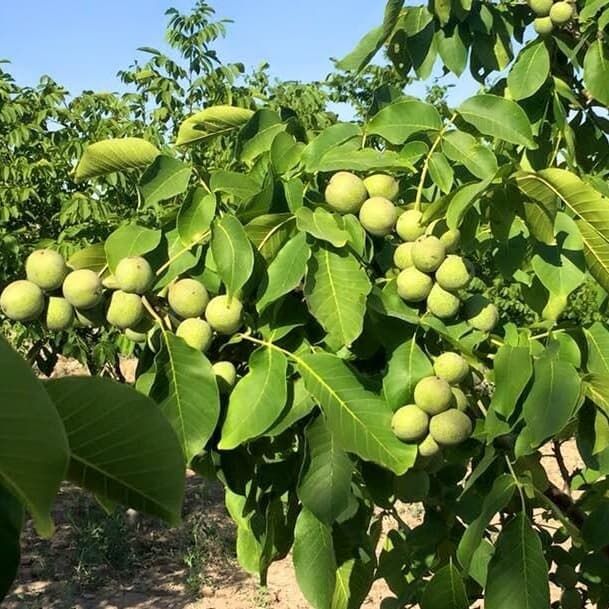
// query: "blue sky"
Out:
[83,43]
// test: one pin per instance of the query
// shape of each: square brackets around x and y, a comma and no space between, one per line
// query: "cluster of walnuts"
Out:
[430,271]
[438,416]
[549,14]
[61,298]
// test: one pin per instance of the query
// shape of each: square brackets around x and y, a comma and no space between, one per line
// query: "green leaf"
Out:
[335,289]
[35,452]
[330,137]
[258,133]
[232,252]
[354,579]
[518,571]
[249,549]
[165,178]
[398,121]
[92,257]
[130,240]
[499,118]
[445,590]
[240,187]
[285,152]
[596,71]
[463,199]
[122,447]
[441,172]
[11,522]
[322,225]
[300,404]
[182,259]
[325,482]
[452,50]
[513,369]
[558,273]
[257,400]
[596,527]
[463,148]
[496,499]
[185,390]
[314,562]
[552,399]
[195,216]
[407,365]
[588,206]
[285,272]
[113,155]
[270,232]
[366,159]
[212,122]
[597,339]
[371,43]
[359,420]
[441,8]
[597,389]
[530,71]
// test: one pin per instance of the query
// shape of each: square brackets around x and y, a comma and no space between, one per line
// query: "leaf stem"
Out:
[517,482]
[153,313]
[181,253]
[436,143]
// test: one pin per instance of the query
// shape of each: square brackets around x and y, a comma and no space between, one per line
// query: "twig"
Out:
[560,461]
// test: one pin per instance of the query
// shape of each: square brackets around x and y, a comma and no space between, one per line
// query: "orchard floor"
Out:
[128,561]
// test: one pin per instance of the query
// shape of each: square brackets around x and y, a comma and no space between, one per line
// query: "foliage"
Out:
[330,341]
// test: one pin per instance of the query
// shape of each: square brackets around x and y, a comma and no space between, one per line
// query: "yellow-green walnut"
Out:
[22,300]
[46,268]
[224,315]
[82,289]
[188,298]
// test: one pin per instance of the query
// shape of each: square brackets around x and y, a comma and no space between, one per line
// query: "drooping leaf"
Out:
[322,225]
[121,445]
[269,232]
[336,288]
[445,590]
[497,498]
[330,137]
[518,571]
[11,523]
[314,562]
[232,252]
[452,50]
[398,121]
[285,152]
[441,172]
[165,178]
[241,187]
[461,147]
[589,207]
[530,71]
[498,117]
[325,482]
[257,135]
[212,122]
[365,159]
[596,71]
[359,420]
[130,240]
[185,390]
[92,257]
[113,155]
[195,216]
[257,400]
[179,259]
[354,579]
[597,339]
[285,272]
[299,405]
[513,368]
[35,452]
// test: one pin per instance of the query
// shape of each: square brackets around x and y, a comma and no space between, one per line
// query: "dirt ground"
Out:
[127,561]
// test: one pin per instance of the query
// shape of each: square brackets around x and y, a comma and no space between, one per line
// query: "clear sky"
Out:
[83,43]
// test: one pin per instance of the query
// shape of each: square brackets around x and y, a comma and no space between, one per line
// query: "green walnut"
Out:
[134,275]
[125,310]
[59,314]
[345,192]
[481,313]
[413,286]
[402,256]
[460,399]
[378,215]
[433,395]
[82,289]
[188,298]
[409,226]
[196,332]
[410,423]
[382,185]
[453,274]
[46,268]
[428,253]
[561,12]
[451,240]
[224,315]
[226,375]
[571,598]
[450,427]
[441,303]
[541,7]
[451,367]
[429,447]
[22,300]
[543,25]
[566,576]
